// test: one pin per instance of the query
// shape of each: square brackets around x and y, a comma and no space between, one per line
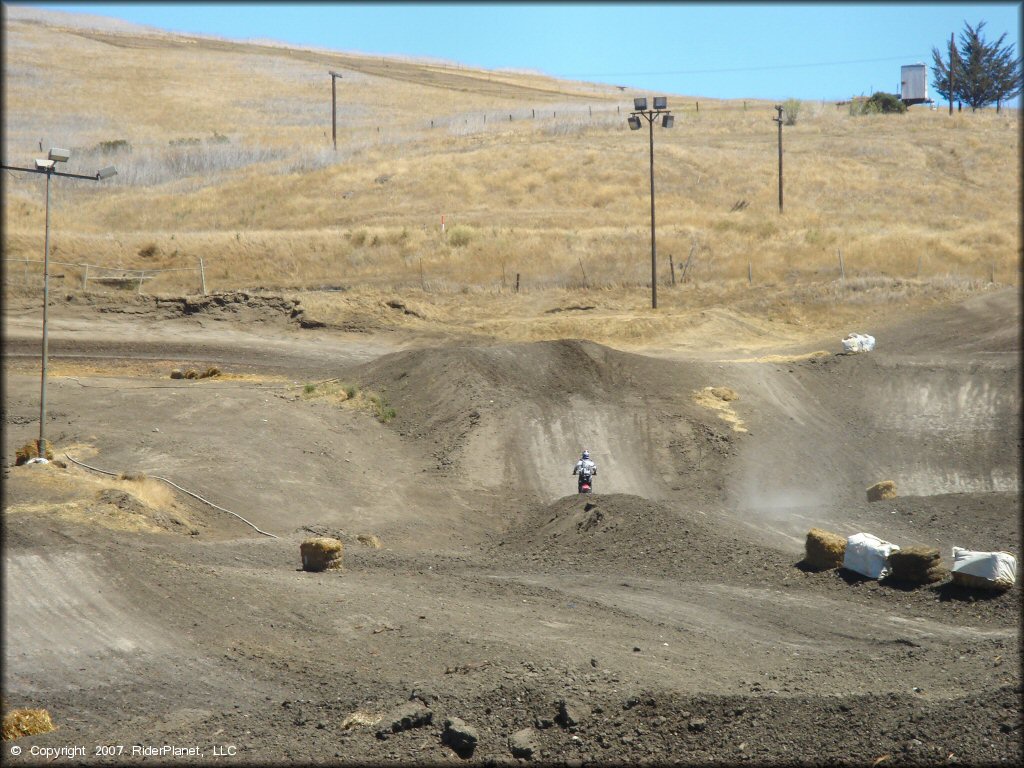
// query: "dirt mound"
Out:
[994,320]
[634,535]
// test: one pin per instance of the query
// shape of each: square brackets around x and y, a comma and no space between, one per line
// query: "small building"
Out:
[914,84]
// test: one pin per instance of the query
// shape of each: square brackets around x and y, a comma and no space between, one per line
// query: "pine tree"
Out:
[983,72]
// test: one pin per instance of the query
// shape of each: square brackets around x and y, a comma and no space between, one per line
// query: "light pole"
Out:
[640,110]
[49,167]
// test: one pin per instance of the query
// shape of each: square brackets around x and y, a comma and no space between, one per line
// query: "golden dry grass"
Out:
[76,495]
[31,450]
[718,399]
[558,191]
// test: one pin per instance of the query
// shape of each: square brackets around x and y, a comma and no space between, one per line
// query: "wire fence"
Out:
[98,276]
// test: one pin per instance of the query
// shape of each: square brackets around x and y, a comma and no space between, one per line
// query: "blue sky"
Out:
[757,50]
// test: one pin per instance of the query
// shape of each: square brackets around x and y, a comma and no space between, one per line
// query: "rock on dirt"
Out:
[460,736]
[405,717]
[523,743]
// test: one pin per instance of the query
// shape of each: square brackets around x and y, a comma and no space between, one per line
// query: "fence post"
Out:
[517,282]
[672,268]
[750,273]
[842,266]
[689,258]
[202,275]
[85,278]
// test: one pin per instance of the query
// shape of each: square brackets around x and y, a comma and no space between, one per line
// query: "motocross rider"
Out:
[584,467]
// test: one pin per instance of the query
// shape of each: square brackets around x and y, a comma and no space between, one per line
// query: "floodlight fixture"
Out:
[59,155]
[44,165]
[667,121]
[661,102]
[634,123]
[640,103]
[106,173]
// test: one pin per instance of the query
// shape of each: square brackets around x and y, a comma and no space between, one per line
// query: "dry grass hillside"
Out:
[224,154]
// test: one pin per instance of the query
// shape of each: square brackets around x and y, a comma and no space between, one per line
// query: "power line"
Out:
[739,69]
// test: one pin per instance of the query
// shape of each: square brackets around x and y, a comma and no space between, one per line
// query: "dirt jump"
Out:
[156,604]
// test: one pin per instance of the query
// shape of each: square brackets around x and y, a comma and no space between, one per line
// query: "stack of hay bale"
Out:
[322,554]
[824,550]
[916,565]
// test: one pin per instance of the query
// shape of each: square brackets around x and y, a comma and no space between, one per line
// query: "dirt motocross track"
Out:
[666,618]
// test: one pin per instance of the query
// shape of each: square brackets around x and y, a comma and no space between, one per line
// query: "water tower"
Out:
[914,84]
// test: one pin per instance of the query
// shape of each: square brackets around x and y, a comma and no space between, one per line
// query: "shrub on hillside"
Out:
[883,104]
[114,146]
[790,111]
[460,235]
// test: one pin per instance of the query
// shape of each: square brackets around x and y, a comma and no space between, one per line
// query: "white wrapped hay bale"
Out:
[868,555]
[858,342]
[984,570]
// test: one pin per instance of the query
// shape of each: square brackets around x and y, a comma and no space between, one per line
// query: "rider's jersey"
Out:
[585,464]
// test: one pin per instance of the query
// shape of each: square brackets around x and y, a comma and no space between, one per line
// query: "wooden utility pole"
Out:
[778,108]
[334,108]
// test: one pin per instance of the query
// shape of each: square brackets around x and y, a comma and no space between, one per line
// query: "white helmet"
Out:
[586,455]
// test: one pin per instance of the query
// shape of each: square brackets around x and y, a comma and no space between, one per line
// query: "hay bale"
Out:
[177,373]
[31,451]
[917,565]
[26,722]
[211,372]
[930,575]
[882,491]
[824,550]
[191,373]
[321,554]
[979,582]
[369,540]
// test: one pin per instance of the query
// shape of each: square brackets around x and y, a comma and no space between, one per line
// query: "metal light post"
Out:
[667,119]
[49,167]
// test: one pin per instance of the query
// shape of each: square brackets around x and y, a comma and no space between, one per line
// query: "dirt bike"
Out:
[584,484]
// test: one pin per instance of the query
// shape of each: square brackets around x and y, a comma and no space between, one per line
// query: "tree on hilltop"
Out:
[983,72]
